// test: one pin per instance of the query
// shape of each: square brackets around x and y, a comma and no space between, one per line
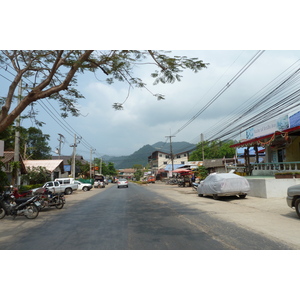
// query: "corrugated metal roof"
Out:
[50,165]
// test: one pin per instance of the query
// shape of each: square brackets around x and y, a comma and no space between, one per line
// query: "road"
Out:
[153,217]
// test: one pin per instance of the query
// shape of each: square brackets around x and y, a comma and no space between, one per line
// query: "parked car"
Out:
[83,186]
[223,184]
[293,198]
[122,182]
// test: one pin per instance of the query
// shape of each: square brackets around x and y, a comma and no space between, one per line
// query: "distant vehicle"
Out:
[223,184]
[293,198]
[122,182]
[151,179]
[83,186]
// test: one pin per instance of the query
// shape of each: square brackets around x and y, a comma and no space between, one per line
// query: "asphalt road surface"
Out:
[134,218]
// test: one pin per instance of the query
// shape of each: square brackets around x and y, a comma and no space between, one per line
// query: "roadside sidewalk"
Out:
[271,217]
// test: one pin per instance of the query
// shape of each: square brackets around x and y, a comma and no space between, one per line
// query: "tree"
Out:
[33,143]
[138,174]
[111,169]
[37,144]
[36,175]
[213,149]
[52,74]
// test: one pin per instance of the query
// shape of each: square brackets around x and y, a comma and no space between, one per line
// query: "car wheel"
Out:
[243,196]
[297,206]
[68,191]
[85,188]
[216,197]
[200,195]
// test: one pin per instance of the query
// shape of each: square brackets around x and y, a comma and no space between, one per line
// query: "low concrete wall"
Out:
[270,187]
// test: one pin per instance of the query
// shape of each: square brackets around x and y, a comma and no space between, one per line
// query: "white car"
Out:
[122,182]
[223,184]
[83,186]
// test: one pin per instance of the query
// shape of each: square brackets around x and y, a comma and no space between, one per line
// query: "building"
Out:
[126,173]
[54,167]
[7,159]
[159,160]
[281,140]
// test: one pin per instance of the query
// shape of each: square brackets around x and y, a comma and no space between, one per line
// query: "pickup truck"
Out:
[56,187]
[293,198]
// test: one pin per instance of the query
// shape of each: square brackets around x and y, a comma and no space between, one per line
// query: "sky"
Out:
[145,120]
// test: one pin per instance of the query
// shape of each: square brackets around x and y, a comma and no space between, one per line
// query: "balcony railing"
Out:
[269,169]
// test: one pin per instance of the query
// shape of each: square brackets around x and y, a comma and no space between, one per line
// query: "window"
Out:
[167,156]
[165,163]
[178,156]
[182,162]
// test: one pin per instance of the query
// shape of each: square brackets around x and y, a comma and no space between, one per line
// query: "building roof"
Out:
[9,156]
[175,166]
[49,164]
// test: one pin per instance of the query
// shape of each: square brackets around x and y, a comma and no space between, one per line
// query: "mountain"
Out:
[141,156]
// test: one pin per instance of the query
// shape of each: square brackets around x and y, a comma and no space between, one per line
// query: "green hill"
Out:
[141,156]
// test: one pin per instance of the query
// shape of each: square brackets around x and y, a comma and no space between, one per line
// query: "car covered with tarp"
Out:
[223,184]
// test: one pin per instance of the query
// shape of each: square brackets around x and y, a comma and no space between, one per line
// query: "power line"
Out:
[250,62]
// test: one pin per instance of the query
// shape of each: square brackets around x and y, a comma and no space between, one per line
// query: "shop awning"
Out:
[260,141]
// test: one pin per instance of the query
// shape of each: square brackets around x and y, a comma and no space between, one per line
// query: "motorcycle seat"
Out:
[21,200]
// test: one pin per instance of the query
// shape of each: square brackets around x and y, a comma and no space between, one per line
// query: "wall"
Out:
[270,187]
[292,151]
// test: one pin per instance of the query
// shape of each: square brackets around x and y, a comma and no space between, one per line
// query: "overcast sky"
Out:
[145,120]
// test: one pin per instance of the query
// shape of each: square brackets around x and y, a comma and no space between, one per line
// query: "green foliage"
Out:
[138,174]
[214,149]
[3,178]
[137,166]
[31,139]
[106,169]
[202,172]
[36,175]
[37,144]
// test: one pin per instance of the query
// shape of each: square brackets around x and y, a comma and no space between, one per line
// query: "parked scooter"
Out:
[10,206]
[48,199]
[195,185]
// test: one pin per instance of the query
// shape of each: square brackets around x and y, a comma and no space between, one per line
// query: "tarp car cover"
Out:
[224,183]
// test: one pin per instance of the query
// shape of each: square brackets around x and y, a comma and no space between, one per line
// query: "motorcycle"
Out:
[10,206]
[195,185]
[49,199]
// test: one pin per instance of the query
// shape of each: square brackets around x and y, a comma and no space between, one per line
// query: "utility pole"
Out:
[74,155]
[91,153]
[17,138]
[61,137]
[171,151]
[202,146]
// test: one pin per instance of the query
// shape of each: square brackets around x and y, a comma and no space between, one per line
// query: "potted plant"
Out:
[284,175]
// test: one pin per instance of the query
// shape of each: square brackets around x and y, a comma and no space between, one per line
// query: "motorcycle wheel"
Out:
[60,204]
[32,211]
[2,213]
